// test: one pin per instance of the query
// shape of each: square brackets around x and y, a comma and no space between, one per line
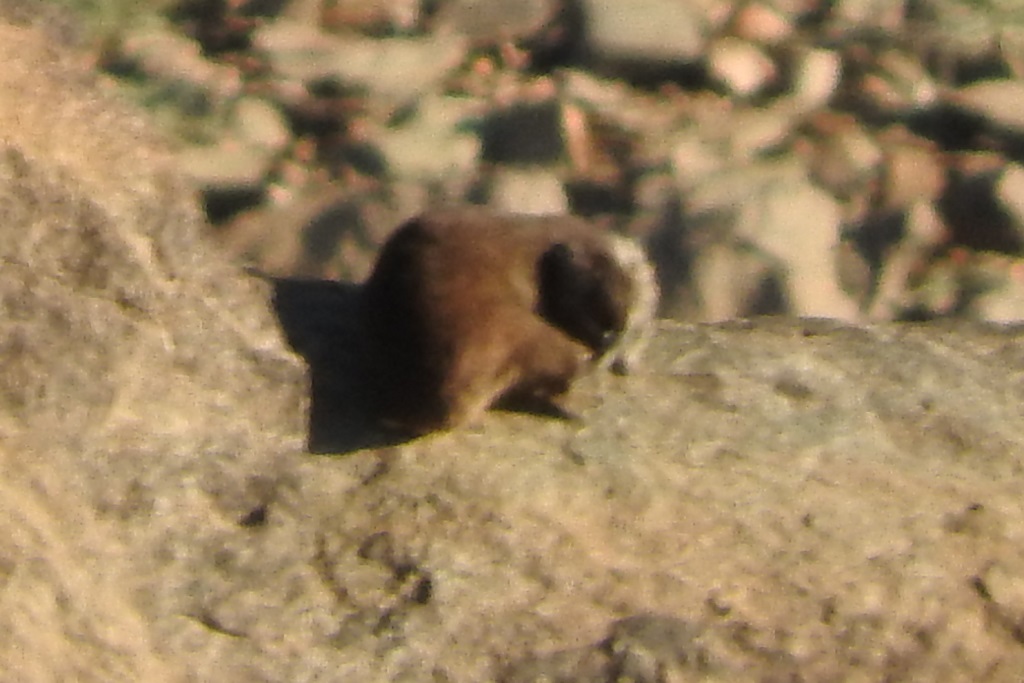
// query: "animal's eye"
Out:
[608,338]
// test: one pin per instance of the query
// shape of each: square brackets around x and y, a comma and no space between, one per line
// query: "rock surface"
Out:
[132,361]
[100,258]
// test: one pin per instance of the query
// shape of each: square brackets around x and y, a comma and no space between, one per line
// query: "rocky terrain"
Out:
[859,159]
[183,499]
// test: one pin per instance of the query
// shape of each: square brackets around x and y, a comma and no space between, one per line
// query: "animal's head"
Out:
[601,292]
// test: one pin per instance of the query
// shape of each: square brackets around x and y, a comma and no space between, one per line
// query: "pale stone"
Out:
[761,22]
[433,144]
[533,191]
[1009,192]
[1000,101]
[262,124]
[742,68]
[654,31]
[817,76]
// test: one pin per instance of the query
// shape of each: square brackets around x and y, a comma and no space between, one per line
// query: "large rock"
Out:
[781,501]
[138,368]
[112,312]
[773,207]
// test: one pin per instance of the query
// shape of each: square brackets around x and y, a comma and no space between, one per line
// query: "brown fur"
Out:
[466,307]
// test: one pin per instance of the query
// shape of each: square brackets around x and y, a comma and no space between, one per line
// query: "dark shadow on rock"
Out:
[321,321]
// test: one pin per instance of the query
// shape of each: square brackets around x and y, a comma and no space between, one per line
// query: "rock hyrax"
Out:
[466,307]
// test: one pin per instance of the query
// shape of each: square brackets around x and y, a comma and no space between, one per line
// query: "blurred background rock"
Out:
[855,159]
